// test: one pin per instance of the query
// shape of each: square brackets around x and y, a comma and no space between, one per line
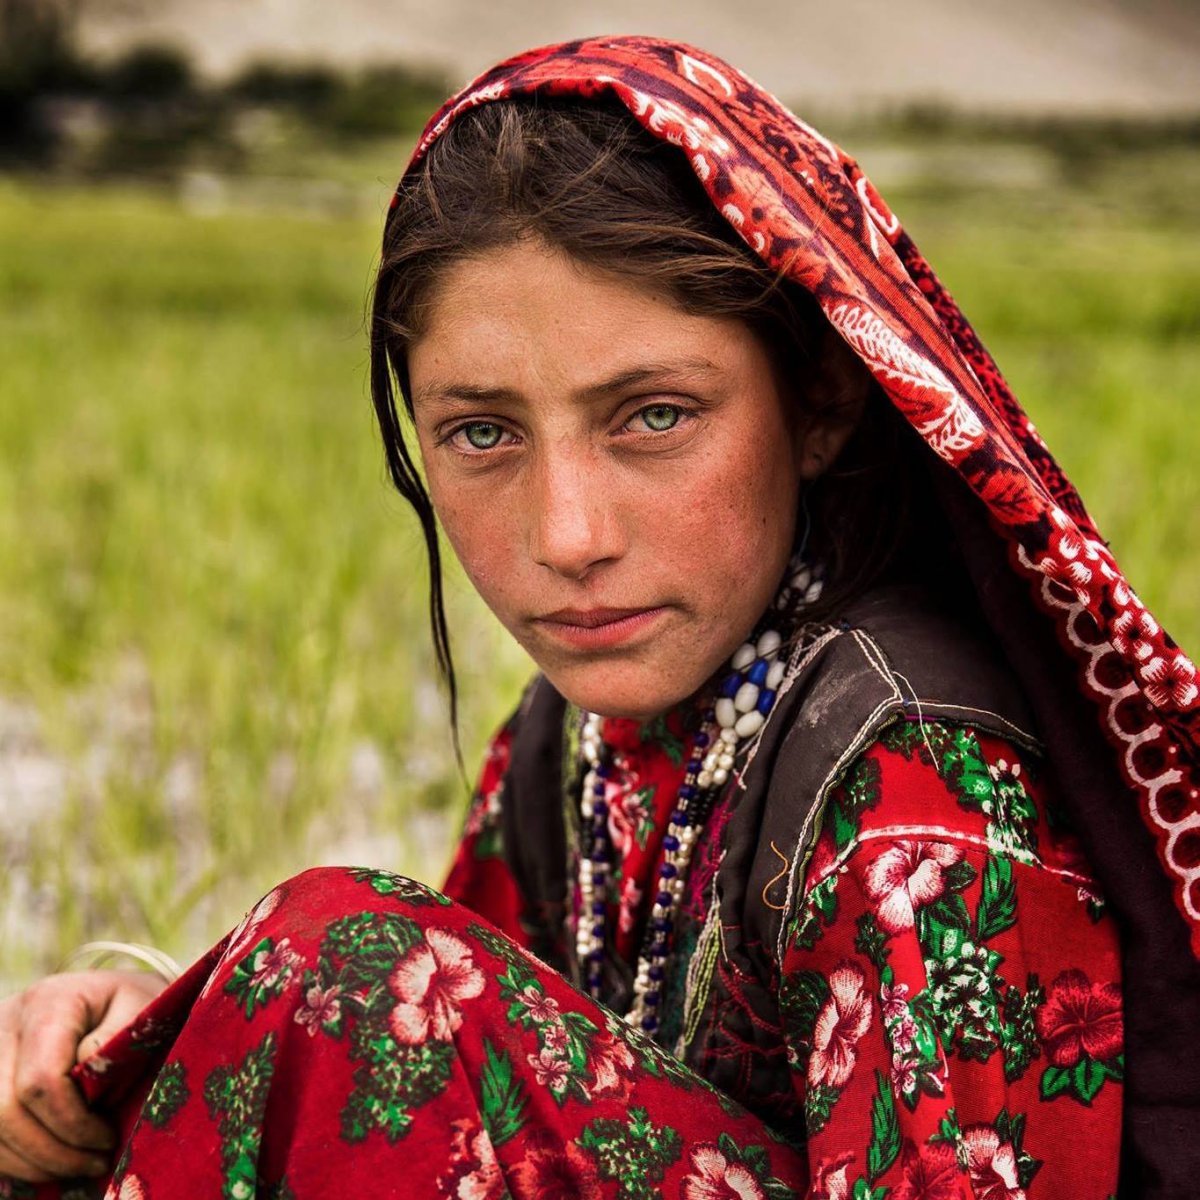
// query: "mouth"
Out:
[598,628]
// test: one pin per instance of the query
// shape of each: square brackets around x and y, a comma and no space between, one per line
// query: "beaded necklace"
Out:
[744,701]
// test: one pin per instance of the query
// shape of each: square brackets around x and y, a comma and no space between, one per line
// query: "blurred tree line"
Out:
[148,108]
[148,111]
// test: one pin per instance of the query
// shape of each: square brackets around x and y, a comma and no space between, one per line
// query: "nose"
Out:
[574,524]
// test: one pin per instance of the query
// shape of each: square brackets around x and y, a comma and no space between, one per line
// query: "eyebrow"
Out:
[627,378]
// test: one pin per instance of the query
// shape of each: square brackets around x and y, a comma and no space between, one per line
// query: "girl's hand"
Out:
[46,1129]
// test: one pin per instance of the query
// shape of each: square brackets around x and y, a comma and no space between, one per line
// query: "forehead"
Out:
[531,310]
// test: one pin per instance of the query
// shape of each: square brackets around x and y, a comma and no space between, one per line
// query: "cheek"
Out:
[481,537]
[745,507]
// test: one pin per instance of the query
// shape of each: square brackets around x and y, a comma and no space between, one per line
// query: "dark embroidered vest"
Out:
[892,654]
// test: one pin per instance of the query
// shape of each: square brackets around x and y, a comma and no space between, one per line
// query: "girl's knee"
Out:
[322,894]
[298,922]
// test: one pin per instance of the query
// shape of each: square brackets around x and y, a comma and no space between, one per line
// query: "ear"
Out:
[834,395]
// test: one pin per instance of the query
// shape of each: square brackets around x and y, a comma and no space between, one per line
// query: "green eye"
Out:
[660,417]
[482,435]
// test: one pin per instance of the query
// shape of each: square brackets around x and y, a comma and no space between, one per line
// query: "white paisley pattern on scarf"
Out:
[954,429]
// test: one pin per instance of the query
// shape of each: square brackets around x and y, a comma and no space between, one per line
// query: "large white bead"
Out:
[725,762]
[749,723]
[746,698]
[728,736]
[720,775]
[813,593]
[802,579]
[704,779]
[726,713]
[775,675]
[768,643]
[743,656]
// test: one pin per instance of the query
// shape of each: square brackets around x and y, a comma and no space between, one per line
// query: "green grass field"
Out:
[214,666]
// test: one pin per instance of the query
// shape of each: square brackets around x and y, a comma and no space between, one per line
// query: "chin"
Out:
[616,691]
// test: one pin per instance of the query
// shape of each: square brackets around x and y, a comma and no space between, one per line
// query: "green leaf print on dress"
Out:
[263,975]
[817,913]
[392,1082]
[398,989]
[573,1059]
[386,883]
[237,1100]
[1018,1035]
[658,731]
[858,793]
[998,902]
[415,983]
[963,990]
[884,1147]
[996,790]
[503,1096]
[168,1095]
[636,1153]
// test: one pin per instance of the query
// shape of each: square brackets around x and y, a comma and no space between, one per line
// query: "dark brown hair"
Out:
[586,178]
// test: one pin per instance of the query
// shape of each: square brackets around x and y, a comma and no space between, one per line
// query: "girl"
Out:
[844,845]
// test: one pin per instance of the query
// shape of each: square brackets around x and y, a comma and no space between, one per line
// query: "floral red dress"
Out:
[948,1003]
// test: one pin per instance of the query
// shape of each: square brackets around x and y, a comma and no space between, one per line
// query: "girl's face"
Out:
[618,478]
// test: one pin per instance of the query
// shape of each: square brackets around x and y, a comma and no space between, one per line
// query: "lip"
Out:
[598,628]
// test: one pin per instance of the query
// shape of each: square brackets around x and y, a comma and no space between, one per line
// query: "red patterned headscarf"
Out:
[807,209]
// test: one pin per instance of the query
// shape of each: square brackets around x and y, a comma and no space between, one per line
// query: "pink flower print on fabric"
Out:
[552,1170]
[273,964]
[540,1007]
[131,1189]
[829,1182]
[841,1024]
[550,1069]
[714,1177]
[554,1036]
[992,1164]
[473,1172]
[907,877]
[610,1064]
[930,1173]
[1170,682]
[242,937]
[430,982]
[322,1006]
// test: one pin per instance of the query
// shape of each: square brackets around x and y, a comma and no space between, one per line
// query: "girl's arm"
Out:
[950,987]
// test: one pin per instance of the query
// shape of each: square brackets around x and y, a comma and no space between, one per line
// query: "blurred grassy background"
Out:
[214,665]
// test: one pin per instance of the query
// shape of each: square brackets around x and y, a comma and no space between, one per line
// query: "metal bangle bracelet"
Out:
[99,953]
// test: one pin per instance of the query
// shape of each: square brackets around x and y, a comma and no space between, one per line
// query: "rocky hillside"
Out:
[1128,57]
